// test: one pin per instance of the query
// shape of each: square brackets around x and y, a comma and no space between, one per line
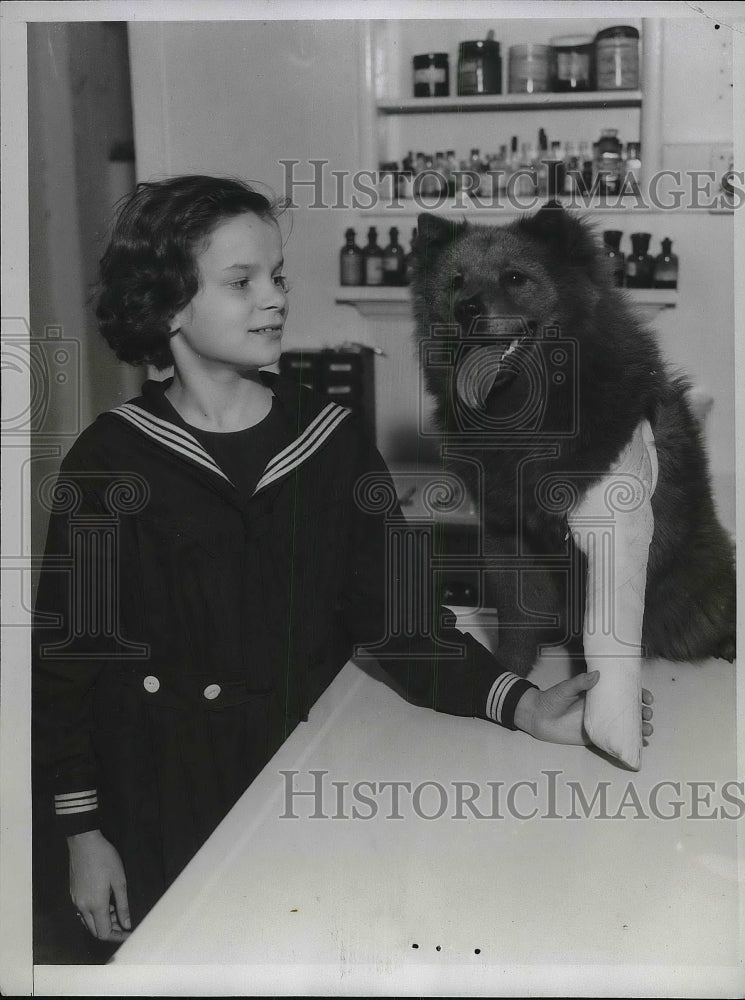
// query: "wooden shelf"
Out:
[600,99]
[390,301]
[403,211]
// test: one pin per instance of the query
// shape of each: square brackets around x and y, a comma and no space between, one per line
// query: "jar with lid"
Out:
[479,67]
[530,68]
[431,75]
[572,62]
[617,58]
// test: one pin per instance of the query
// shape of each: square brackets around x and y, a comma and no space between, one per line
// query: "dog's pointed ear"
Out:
[432,231]
[566,235]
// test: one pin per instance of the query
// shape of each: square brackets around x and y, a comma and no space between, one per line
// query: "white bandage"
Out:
[613,525]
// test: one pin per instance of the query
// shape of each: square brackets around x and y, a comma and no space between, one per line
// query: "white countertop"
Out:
[632,905]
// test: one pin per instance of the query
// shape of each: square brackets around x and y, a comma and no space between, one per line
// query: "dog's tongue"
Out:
[476,376]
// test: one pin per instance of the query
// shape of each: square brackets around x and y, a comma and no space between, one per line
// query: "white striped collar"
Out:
[186,445]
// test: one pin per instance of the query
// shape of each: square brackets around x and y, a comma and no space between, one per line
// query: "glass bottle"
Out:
[351,262]
[393,260]
[441,166]
[373,259]
[608,162]
[632,167]
[430,180]
[587,167]
[474,169]
[512,163]
[501,170]
[540,156]
[612,241]
[666,267]
[527,176]
[452,170]
[639,265]
[556,167]
[572,167]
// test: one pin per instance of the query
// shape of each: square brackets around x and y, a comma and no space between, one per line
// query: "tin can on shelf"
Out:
[431,75]
[617,58]
[530,68]
[479,67]
[572,62]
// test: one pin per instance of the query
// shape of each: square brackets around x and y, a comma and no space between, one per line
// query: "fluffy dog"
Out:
[541,372]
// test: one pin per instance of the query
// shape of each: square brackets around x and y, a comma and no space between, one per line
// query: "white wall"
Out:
[237,97]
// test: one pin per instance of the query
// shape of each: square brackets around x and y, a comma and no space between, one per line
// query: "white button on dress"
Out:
[151,684]
[212,691]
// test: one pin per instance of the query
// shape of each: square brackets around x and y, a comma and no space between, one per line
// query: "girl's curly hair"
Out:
[149,271]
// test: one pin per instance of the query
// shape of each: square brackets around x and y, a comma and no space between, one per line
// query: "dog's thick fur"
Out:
[544,278]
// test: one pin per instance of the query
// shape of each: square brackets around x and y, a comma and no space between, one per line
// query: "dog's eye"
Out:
[456,282]
[470,308]
[514,279]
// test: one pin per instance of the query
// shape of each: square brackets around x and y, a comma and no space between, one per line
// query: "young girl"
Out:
[208,569]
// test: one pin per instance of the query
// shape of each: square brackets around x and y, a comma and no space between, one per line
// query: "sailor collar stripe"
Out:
[168,434]
[186,445]
[304,446]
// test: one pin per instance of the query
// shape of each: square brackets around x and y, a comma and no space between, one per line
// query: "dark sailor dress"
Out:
[198,594]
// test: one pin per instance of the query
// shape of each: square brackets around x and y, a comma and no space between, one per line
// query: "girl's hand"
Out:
[555,715]
[97,872]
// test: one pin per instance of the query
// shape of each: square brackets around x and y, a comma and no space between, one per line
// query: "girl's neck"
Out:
[220,404]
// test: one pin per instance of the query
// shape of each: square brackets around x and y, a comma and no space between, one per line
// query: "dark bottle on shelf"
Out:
[639,265]
[666,267]
[612,241]
[608,162]
[351,262]
[587,166]
[406,274]
[373,257]
[393,260]
[556,171]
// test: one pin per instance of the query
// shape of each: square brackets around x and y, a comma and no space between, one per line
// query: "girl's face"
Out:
[235,320]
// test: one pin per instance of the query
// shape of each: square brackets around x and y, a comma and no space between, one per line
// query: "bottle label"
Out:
[573,66]
[468,77]
[391,263]
[374,270]
[617,65]
[431,75]
[351,269]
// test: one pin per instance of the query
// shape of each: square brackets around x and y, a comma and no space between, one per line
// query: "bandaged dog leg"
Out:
[613,525]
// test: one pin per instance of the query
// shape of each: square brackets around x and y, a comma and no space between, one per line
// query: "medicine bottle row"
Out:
[639,269]
[523,169]
[373,264]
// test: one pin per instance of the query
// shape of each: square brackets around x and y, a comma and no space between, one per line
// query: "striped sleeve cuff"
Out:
[73,803]
[77,812]
[504,694]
